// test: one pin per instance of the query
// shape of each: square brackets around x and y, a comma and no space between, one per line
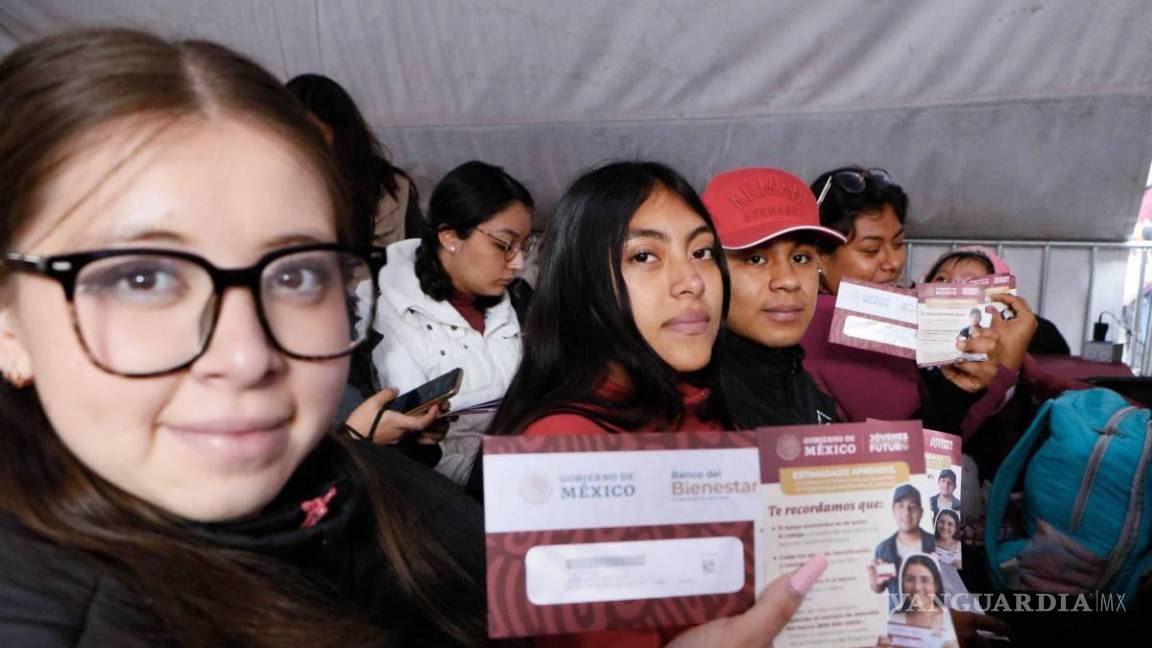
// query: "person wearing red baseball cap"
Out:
[769,227]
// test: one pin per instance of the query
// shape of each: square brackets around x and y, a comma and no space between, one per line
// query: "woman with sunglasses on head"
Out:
[445,304]
[631,296]
[177,305]
[869,209]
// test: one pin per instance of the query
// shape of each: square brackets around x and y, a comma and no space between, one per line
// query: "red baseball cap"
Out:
[750,206]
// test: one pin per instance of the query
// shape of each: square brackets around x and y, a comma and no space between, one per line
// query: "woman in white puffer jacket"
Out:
[444,304]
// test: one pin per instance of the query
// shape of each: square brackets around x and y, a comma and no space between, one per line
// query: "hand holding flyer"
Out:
[666,530]
[931,324]
[951,314]
[852,492]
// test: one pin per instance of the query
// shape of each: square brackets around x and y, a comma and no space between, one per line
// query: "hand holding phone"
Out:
[388,418]
[433,392]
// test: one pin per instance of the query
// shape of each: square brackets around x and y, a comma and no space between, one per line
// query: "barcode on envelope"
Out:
[593,562]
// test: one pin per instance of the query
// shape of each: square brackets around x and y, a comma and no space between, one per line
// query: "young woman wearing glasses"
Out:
[445,304]
[869,209]
[176,309]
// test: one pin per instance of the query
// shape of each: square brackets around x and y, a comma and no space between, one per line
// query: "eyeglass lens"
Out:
[510,248]
[148,313]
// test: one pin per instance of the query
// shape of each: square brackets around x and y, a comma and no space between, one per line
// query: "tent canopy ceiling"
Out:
[1026,120]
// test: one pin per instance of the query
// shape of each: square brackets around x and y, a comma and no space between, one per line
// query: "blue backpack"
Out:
[1085,462]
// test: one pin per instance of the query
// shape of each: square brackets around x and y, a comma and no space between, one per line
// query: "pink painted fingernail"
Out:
[804,578]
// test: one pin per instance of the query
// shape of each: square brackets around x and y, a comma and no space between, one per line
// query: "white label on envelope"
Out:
[597,490]
[882,332]
[642,569]
[878,303]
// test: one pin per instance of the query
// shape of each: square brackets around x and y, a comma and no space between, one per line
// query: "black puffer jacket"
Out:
[51,596]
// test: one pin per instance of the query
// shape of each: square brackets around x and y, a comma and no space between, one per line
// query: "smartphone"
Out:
[431,393]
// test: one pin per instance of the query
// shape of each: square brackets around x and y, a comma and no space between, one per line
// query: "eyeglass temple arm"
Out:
[19,261]
[824,191]
[377,258]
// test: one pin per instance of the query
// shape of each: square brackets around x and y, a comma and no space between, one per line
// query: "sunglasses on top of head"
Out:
[855,181]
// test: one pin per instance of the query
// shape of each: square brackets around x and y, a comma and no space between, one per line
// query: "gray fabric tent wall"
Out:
[1001,118]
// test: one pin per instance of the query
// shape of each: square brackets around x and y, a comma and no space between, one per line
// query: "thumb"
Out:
[383,397]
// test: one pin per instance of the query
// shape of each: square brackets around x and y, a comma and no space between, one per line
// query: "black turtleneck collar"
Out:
[764,363]
[314,507]
[766,386]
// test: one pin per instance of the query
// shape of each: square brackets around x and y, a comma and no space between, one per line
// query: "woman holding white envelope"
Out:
[631,296]
[869,209]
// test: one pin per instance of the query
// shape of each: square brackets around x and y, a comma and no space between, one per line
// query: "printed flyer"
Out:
[942,465]
[854,492]
[926,324]
[949,313]
[942,462]
[995,285]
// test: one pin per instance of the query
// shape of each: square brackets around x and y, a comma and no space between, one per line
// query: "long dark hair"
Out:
[467,196]
[362,158]
[53,93]
[581,318]
[841,208]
